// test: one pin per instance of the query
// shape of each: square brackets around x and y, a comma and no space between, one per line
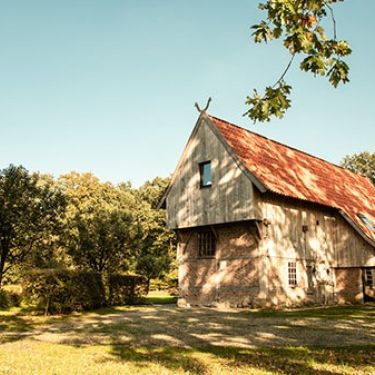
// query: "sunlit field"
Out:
[164,339]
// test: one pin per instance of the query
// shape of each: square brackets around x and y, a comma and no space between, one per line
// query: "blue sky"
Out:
[109,86]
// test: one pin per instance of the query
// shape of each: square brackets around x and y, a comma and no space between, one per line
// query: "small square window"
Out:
[206,244]
[205,174]
[292,273]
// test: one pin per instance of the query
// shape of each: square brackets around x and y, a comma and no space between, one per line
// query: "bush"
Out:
[4,299]
[15,293]
[10,296]
[158,284]
[165,283]
[64,290]
[126,289]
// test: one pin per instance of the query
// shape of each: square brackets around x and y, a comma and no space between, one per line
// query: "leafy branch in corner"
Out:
[299,23]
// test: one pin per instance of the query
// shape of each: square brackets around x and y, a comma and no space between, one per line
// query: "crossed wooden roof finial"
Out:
[205,108]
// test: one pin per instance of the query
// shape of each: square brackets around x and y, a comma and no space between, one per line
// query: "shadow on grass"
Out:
[16,324]
[168,326]
[13,328]
[171,358]
[289,360]
[329,313]
[204,340]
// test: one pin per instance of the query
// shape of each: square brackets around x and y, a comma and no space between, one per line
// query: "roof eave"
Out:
[357,228]
[163,201]
[204,116]
[261,187]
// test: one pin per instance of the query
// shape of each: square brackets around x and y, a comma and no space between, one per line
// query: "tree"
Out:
[100,223]
[299,24]
[152,191]
[51,252]
[156,244]
[156,250]
[362,163]
[30,214]
[103,240]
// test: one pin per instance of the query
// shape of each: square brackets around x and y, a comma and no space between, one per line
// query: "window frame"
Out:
[292,274]
[310,273]
[368,278]
[206,244]
[201,174]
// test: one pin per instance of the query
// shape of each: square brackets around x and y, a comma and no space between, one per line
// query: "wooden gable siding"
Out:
[352,249]
[328,237]
[229,199]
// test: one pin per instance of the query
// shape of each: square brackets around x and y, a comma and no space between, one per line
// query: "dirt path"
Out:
[171,326]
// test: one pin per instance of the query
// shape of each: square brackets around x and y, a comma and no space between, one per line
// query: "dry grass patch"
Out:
[169,340]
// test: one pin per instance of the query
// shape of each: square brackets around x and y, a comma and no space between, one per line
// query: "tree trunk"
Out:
[3,256]
[48,305]
[1,277]
[148,286]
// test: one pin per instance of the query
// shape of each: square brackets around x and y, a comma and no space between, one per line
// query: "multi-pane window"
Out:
[369,278]
[205,174]
[206,244]
[292,273]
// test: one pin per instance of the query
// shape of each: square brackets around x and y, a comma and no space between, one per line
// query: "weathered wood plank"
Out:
[229,199]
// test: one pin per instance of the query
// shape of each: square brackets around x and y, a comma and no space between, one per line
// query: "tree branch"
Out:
[285,71]
[333,20]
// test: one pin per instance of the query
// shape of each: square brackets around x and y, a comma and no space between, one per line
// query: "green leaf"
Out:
[299,23]
[338,73]
[262,33]
[274,103]
[314,64]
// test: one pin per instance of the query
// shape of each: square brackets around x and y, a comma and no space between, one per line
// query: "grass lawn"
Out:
[160,297]
[168,340]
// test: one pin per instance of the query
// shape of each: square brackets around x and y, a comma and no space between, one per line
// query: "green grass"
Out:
[33,357]
[328,313]
[159,297]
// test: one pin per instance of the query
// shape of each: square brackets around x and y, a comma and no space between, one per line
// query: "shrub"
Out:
[64,290]
[165,283]
[158,284]
[15,293]
[4,299]
[126,289]
[10,296]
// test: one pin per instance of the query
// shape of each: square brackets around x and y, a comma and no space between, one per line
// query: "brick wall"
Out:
[349,285]
[230,278]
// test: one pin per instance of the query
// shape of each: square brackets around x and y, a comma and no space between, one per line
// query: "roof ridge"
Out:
[290,147]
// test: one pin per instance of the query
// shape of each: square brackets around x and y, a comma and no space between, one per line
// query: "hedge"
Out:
[5,301]
[10,296]
[126,289]
[64,290]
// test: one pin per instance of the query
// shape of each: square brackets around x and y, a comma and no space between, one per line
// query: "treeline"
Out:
[78,223]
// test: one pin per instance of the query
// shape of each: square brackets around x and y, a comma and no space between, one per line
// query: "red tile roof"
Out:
[293,173]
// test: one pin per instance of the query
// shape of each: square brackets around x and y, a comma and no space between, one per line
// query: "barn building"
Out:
[260,223]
